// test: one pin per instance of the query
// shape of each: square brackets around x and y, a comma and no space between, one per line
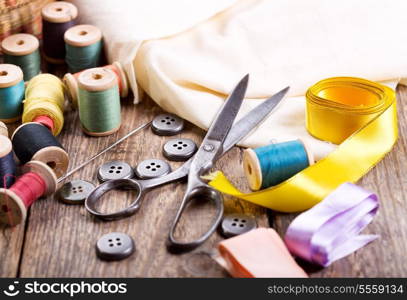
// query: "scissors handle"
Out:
[201,192]
[95,196]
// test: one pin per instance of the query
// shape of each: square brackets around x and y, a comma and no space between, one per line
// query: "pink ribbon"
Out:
[330,230]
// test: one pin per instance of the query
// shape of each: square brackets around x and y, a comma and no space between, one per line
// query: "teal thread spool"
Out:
[11,93]
[99,102]
[83,45]
[272,164]
[22,50]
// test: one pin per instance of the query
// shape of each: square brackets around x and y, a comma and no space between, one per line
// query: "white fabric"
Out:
[279,42]
[127,23]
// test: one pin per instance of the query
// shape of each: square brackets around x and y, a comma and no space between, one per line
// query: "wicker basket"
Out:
[21,16]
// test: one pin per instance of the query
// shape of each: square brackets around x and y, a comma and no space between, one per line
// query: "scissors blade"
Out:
[220,127]
[253,118]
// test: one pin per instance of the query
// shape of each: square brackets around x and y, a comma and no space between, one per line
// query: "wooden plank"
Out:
[60,239]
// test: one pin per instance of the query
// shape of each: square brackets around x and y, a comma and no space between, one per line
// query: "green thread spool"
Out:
[99,102]
[11,93]
[22,50]
[83,45]
[272,164]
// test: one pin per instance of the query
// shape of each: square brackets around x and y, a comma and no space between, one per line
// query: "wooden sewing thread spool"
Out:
[7,163]
[37,181]
[11,93]
[33,141]
[272,164]
[3,129]
[71,82]
[83,45]
[44,102]
[99,102]
[22,50]
[57,18]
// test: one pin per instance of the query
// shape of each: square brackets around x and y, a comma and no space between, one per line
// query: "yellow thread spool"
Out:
[45,96]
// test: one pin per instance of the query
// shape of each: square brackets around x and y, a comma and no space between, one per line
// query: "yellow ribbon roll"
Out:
[358,114]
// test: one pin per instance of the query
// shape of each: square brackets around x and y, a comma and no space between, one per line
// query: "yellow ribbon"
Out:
[358,114]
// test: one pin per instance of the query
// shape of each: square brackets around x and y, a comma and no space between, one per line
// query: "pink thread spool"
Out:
[38,180]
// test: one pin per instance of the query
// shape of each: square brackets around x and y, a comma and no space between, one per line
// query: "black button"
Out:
[179,149]
[236,224]
[115,246]
[115,170]
[75,191]
[167,124]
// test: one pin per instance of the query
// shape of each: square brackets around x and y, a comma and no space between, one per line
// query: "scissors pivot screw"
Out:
[209,147]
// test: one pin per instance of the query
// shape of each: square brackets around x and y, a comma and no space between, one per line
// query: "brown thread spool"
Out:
[57,18]
[13,207]
[71,82]
[33,141]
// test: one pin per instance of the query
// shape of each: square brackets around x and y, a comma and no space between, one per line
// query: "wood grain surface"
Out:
[58,240]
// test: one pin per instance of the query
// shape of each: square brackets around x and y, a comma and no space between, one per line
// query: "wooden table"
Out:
[58,240]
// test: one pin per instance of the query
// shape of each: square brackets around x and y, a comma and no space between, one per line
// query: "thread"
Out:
[83,46]
[11,93]
[99,102]
[272,164]
[29,187]
[71,82]
[38,180]
[22,50]
[57,18]
[7,163]
[44,96]
[33,141]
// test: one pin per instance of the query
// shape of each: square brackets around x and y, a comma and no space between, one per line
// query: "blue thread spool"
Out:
[83,45]
[11,93]
[7,163]
[272,164]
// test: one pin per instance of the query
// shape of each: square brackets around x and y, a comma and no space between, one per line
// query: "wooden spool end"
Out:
[5,147]
[12,208]
[10,75]
[3,129]
[55,158]
[82,35]
[46,173]
[123,78]
[72,89]
[99,134]
[59,12]
[252,169]
[97,80]
[311,159]
[20,44]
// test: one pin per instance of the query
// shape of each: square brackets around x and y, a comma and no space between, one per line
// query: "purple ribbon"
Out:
[330,230]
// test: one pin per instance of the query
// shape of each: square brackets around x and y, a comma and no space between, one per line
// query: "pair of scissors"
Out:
[221,137]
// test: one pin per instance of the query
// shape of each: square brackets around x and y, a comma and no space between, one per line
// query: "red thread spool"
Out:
[46,121]
[38,180]
[71,82]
